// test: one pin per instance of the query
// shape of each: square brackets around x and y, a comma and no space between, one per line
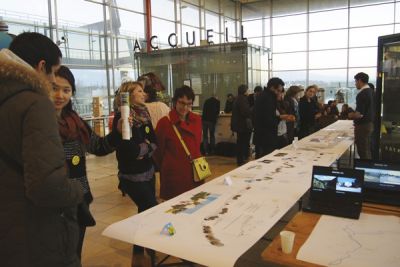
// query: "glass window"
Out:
[252,28]
[89,13]
[288,43]
[264,60]
[190,15]
[397,28]
[366,2]
[19,28]
[77,42]
[328,59]
[125,49]
[230,24]
[319,40]
[316,5]
[89,83]
[162,29]
[289,24]
[162,9]
[331,81]
[255,41]
[370,71]
[21,11]
[212,21]
[267,27]
[333,19]
[360,57]
[397,19]
[371,15]
[211,5]
[132,5]
[368,36]
[289,61]
[291,77]
[256,10]
[267,42]
[289,7]
[193,2]
[132,24]
[228,8]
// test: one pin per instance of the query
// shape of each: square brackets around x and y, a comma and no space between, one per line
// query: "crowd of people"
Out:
[275,117]
[44,187]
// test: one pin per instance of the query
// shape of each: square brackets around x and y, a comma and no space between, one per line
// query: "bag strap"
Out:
[180,139]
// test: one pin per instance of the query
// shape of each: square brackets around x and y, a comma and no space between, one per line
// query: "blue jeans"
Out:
[208,127]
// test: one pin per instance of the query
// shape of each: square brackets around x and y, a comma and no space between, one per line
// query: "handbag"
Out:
[201,169]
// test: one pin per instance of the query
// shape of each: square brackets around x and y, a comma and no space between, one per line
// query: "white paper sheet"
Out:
[223,221]
[373,240]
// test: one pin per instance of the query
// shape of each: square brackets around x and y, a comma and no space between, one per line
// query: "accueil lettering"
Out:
[190,40]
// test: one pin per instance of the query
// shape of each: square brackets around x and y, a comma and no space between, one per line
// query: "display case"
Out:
[387,127]
[210,69]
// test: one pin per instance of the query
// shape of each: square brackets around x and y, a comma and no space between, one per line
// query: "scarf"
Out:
[140,115]
[71,127]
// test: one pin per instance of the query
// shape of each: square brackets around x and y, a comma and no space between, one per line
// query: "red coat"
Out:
[176,173]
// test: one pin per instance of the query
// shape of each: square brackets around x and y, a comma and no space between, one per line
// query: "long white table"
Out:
[216,222]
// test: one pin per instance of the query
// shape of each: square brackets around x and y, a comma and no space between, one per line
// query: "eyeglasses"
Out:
[183,103]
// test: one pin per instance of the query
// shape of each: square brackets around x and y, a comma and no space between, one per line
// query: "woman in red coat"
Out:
[176,174]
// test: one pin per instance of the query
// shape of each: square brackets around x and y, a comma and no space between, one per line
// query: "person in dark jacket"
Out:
[292,101]
[135,163]
[209,118]
[78,138]
[229,103]
[266,119]
[252,97]
[309,112]
[38,225]
[241,124]
[363,116]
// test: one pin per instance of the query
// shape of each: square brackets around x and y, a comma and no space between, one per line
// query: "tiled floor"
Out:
[109,206]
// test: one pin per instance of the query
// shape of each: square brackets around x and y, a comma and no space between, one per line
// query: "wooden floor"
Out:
[110,206]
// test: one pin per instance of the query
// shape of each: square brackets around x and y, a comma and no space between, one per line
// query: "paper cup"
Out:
[287,240]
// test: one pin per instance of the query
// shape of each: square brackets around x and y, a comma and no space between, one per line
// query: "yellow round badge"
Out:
[75,160]
[147,129]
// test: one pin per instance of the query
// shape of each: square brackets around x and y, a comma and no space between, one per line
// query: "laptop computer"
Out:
[381,181]
[337,192]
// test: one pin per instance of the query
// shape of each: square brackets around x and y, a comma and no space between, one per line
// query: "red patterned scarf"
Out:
[71,127]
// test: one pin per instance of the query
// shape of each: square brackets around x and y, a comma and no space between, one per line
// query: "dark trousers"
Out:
[306,130]
[282,141]
[144,196]
[82,231]
[362,138]
[242,147]
[264,149]
[208,130]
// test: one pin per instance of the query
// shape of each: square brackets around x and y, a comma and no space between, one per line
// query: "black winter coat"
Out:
[241,115]
[38,225]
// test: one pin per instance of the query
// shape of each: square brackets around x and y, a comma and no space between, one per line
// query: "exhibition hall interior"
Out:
[284,103]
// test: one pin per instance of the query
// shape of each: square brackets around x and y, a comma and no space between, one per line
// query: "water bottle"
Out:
[126,129]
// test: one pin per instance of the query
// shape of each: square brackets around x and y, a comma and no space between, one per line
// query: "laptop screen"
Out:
[382,181]
[329,183]
[380,175]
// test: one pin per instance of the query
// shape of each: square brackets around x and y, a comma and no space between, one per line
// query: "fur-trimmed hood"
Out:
[17,75]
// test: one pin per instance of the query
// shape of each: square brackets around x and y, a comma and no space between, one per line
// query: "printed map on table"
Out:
[195,203]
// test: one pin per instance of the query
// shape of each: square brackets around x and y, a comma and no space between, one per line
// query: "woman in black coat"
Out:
[309,112]
[241,124]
